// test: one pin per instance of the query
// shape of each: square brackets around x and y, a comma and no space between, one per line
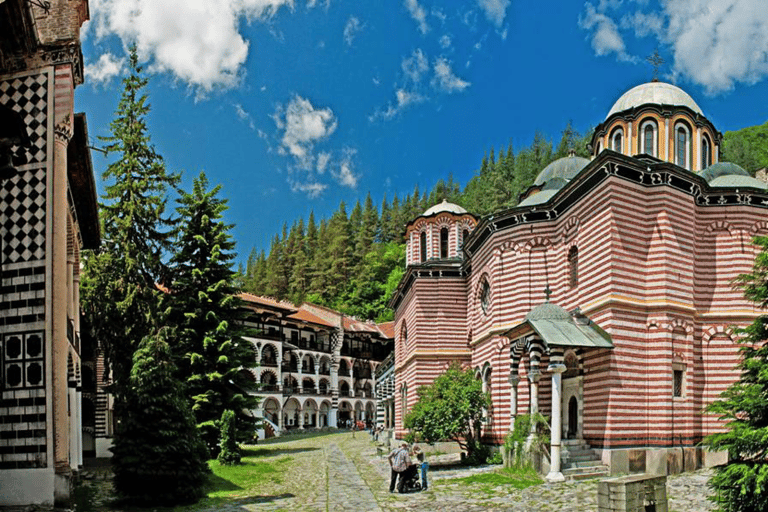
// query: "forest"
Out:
[353,261]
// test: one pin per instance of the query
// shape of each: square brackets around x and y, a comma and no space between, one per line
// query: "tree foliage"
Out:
[158,456]
[451,408]
[203,305]
[118,292]
[229,449]
[747,147]
[742,484]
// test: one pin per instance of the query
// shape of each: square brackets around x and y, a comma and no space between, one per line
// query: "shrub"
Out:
[229,453]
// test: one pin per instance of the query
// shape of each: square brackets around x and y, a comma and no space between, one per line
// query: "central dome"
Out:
[445,206]
[658,93]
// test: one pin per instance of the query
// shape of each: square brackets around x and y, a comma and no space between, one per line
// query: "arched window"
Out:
[573,266]
[617,140]
[444,243]
[599,147]
[464,236]
[706,152]
[682,146]
[649,143]
[423,246]
[485,296]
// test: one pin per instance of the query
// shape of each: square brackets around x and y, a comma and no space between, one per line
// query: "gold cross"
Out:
[655,61]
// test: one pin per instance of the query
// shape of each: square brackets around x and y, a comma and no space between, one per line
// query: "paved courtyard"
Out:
[339,473]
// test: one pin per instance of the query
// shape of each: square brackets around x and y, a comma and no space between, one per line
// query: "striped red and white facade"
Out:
[644,248]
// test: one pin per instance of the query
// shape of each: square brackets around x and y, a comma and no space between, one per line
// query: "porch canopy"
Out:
[550,329]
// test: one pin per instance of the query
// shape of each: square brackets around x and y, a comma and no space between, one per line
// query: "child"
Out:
[424,466]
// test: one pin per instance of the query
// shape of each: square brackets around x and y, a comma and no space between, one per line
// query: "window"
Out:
[573,266]
[706,153]
[444,243]
[649,138]
[485,297]
[464,236]
[617,140]
[677,390]
[682,146]
[423,246]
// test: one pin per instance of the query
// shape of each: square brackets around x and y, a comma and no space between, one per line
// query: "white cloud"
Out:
[322,161]
[303,125]
[312,188]
[495,11]
[445,79]
[714,43]
[244,116]
[445,42]
[351,29]
[418,13]
[105,69]
[346,172]
[606,38]
[197,41]
[415,66]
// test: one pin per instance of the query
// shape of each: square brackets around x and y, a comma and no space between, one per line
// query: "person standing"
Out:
[421,457]
[399,460]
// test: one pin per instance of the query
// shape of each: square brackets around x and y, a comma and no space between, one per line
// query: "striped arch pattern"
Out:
[443,221]
[535,347]
[537,242]
[759,228]
[720,225]
[715,330]
[670,325]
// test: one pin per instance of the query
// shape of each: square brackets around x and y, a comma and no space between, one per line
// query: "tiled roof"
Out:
[305,316]
[387,329]
[256,300]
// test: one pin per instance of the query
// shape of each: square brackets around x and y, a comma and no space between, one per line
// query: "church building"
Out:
[603,300]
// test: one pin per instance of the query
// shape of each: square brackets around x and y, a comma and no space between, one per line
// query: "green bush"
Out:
[229,453]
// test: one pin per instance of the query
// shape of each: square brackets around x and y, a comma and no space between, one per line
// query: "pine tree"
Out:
[119,294]
[204,306]
[158,457]
[740,485]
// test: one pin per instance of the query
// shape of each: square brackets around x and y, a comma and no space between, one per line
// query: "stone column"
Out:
[533,377]
[513,380]
[556,428]
[333,412]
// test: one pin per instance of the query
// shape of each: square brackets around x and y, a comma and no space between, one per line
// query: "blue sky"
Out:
[297,105]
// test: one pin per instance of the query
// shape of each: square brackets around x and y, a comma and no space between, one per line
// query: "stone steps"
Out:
[580,461]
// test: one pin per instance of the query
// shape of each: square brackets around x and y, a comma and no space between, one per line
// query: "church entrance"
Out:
[573,418]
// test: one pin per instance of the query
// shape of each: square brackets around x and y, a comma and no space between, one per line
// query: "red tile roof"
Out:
[255,300]
[305,316]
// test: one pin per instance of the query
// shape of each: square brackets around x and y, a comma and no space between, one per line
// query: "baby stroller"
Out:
[410,479]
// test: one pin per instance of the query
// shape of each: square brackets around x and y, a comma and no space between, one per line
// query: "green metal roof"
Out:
[559,328]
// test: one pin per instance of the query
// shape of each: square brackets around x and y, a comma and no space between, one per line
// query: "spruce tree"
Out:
[119,286]
[159,458]
[742,484]
[203,303]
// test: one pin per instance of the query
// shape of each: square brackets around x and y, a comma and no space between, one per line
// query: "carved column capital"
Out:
[63,131]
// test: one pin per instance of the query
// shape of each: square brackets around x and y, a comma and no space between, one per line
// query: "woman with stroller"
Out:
[421,461]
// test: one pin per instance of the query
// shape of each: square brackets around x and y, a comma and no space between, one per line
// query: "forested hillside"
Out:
[747,147]
[353,261]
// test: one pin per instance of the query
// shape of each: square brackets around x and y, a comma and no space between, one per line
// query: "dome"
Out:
[659,93]
[738,181]
[547,311]
[722,169]
[445,206]
[565,168]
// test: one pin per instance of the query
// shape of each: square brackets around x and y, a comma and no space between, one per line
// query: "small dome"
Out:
[565,168]
[445,206]
[547,311]
[722,169]
[658,93]
[738,181]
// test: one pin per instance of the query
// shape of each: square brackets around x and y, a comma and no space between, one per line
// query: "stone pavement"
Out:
[340,473]
[358,480]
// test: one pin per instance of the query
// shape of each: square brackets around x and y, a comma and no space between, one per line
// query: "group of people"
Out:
[404,469]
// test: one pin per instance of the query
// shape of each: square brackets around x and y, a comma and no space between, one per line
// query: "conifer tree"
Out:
[119,294]
[741,485]
[159,458]
[204,306]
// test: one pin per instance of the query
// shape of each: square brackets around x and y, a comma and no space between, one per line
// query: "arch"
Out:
[573,418]
[720,225]
[324,387]
[649,135]
[307,385]
[483,293]
[268,355]
[443,242]
[537,243]
[617,139]
[573,266]
[291,412]
[308,364]
[290,384]
[324,365]
[758,228]
[290,361]
[268,381]
[344,388]
[271,410]
[423,246]
[368,390]
[682,145]
[343,368]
